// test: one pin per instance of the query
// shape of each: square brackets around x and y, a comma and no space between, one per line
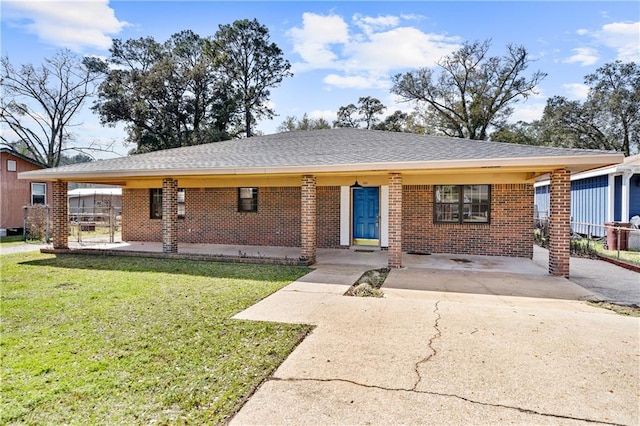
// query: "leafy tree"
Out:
[614,92]
[251,66]
[168,94]
[521,133]
[369,108]
[571,124]
[292,123]
[39,103]
[346,116]
[366,111]
[470,92]
[396,122]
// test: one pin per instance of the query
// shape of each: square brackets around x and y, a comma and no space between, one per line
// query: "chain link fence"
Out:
[86,225]
[94,224]
[611,239]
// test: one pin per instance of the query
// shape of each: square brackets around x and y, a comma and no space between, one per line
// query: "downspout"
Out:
[611,197]
[626,182]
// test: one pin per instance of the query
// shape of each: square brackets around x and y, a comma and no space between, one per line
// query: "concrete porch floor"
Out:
[358,255]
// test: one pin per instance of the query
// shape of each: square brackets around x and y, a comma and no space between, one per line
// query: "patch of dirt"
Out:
[627,310]
[368,285]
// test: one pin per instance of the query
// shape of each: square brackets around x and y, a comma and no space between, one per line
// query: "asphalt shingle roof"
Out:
[331,147]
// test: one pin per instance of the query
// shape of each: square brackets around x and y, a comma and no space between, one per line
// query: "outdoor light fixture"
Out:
[356,185]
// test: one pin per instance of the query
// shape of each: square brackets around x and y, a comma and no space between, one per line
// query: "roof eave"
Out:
[588,161]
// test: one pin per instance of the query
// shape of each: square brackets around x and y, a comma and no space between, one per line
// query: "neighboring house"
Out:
[94,204]
[16,194]
[607,194]
[414,193]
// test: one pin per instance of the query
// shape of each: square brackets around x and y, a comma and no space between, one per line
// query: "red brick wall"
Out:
[328,216]
[510,232]
[212,217]
[559,218]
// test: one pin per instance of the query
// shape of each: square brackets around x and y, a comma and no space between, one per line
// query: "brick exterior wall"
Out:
[396,220]
[212,217]
[59,216]
[510,232]
[559,223]
[328,230]
[169,216]
[308,220]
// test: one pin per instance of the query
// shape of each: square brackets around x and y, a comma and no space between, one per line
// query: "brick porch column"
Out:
[169,216]
[60,216]
[395,220]
[559,223]
[308,218]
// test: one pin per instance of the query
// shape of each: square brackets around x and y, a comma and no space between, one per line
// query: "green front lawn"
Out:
[109,340]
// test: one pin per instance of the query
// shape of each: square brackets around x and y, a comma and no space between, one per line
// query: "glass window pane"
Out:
[246,192]
[39,188]
[447,213]
[447,193]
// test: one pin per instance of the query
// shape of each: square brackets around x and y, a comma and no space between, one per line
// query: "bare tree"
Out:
[470,92]
[38,104]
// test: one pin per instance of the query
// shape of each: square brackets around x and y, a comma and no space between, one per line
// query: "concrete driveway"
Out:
[434,357]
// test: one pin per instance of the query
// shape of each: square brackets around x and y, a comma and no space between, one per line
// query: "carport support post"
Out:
[169,216]
[560,223]
[395,220]
[60,213]
[308,218]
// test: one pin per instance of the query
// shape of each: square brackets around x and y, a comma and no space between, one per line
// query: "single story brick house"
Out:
[337,188]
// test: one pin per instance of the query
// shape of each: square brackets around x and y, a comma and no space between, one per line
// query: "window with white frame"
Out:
[38,193]
[12,165]
[462,203]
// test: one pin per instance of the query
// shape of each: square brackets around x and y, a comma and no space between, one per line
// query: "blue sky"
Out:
[341,51]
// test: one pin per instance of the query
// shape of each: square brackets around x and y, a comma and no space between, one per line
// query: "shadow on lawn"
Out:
[174,266]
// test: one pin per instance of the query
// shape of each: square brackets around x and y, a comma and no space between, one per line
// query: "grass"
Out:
[630,311]
[11,240]
[110,340]
[597,247]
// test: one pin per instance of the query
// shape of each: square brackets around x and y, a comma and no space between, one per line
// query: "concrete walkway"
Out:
[605,280]
[431,357]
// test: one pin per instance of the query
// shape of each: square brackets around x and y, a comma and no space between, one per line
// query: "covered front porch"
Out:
[392,249]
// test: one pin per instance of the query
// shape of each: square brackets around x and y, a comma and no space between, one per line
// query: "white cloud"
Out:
[623,37]
[72,24]
[370,24]
[582,31]
[577,91]
[362,54]
[362,81]
[527,111]
[314,39]
[584,56]
[328,115]
[402,47]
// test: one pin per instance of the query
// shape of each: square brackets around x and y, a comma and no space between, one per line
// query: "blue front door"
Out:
[366,210]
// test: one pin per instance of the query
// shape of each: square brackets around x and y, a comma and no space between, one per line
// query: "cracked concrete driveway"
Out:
[431,357]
